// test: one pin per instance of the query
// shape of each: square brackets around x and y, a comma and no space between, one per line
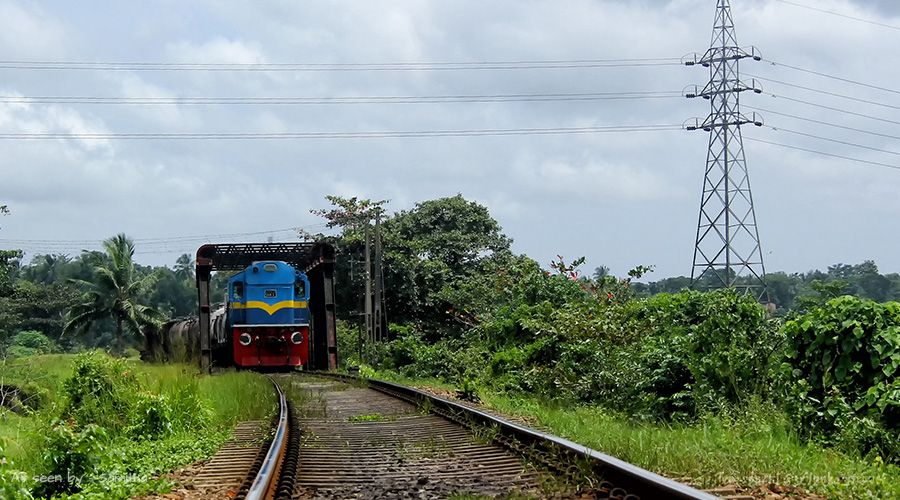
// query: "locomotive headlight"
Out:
[244,339]
[296,337]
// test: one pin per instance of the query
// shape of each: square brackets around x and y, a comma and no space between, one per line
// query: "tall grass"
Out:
[127,419]
[753,448]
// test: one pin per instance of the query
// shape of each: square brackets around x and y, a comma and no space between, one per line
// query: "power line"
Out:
[226,235]
[831,108]
[835,13]
[159,240]
[396,66]
[834,94]
[887,165]
[820,122]
[195,100]
[833,77]
[341,135]
[836,141]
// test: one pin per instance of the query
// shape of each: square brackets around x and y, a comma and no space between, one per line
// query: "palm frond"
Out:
[80,322]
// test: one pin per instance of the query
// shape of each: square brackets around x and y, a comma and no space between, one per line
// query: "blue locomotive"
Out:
[267,319]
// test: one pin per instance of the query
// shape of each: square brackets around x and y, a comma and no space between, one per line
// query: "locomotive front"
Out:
[268,316]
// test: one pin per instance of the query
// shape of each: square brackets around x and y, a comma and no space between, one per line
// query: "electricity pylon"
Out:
[727,252]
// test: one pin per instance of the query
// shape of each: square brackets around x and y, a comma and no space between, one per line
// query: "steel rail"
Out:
[633,479]
[266,479]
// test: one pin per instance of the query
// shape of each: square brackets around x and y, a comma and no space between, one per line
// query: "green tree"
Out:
[47,269]
[9,268]
[822,292]
[184,267]
[114,294]
[173,293]
[425,249]
[437,244]
[453,231]
[350,214]
[31,342]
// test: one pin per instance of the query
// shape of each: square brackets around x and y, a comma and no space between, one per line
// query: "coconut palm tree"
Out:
[184,267]
[113,294]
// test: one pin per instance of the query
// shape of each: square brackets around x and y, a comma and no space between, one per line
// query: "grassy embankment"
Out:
[115,423]
[751,449]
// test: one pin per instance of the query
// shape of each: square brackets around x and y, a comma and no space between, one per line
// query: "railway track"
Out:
[339,437]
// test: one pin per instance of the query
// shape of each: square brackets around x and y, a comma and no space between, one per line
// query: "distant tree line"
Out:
[799,291]
[95,299]
[433,253]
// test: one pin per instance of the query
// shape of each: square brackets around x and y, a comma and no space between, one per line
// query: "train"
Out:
[273,316]
[266,319]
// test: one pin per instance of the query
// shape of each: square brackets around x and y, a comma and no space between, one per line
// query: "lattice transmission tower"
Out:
[727,252]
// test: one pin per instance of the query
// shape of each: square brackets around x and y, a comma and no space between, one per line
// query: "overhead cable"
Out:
[835,13]
[814,151]
[832,108]
[287,100]
[338,135]
[287,67]
[821,122]
[834,94]
[833,77]
[159,240]
[836,141]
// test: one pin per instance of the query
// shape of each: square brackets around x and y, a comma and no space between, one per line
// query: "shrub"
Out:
[702,352]
[30,343]
[843,362]
[454,359]
[152,416]
[17,351]
[13,483]
[70,455]
[100,391]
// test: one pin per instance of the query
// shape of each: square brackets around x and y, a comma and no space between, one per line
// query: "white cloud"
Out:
[590,180]
[216,50]
[28,31]
[650,181]
[28,118]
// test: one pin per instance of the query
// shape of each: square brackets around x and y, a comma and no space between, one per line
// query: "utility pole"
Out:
[356,312]
[368,277]
[379,282]
[727,246]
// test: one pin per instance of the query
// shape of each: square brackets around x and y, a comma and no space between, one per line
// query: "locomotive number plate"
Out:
[270,294]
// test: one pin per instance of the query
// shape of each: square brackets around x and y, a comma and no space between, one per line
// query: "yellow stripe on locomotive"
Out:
[270,308]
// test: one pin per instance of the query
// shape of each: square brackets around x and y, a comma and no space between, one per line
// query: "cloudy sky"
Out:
[620,199]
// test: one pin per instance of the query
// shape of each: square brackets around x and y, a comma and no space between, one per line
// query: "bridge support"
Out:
[204,269]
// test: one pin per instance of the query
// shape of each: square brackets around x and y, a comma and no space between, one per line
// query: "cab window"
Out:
[238,291]
[300,289]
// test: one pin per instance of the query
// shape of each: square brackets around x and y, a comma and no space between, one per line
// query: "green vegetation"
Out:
[843,360]
[701,384]
[374,417]
[104,297]
[30,343]
[113,294]
[758,446]
[105,427]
